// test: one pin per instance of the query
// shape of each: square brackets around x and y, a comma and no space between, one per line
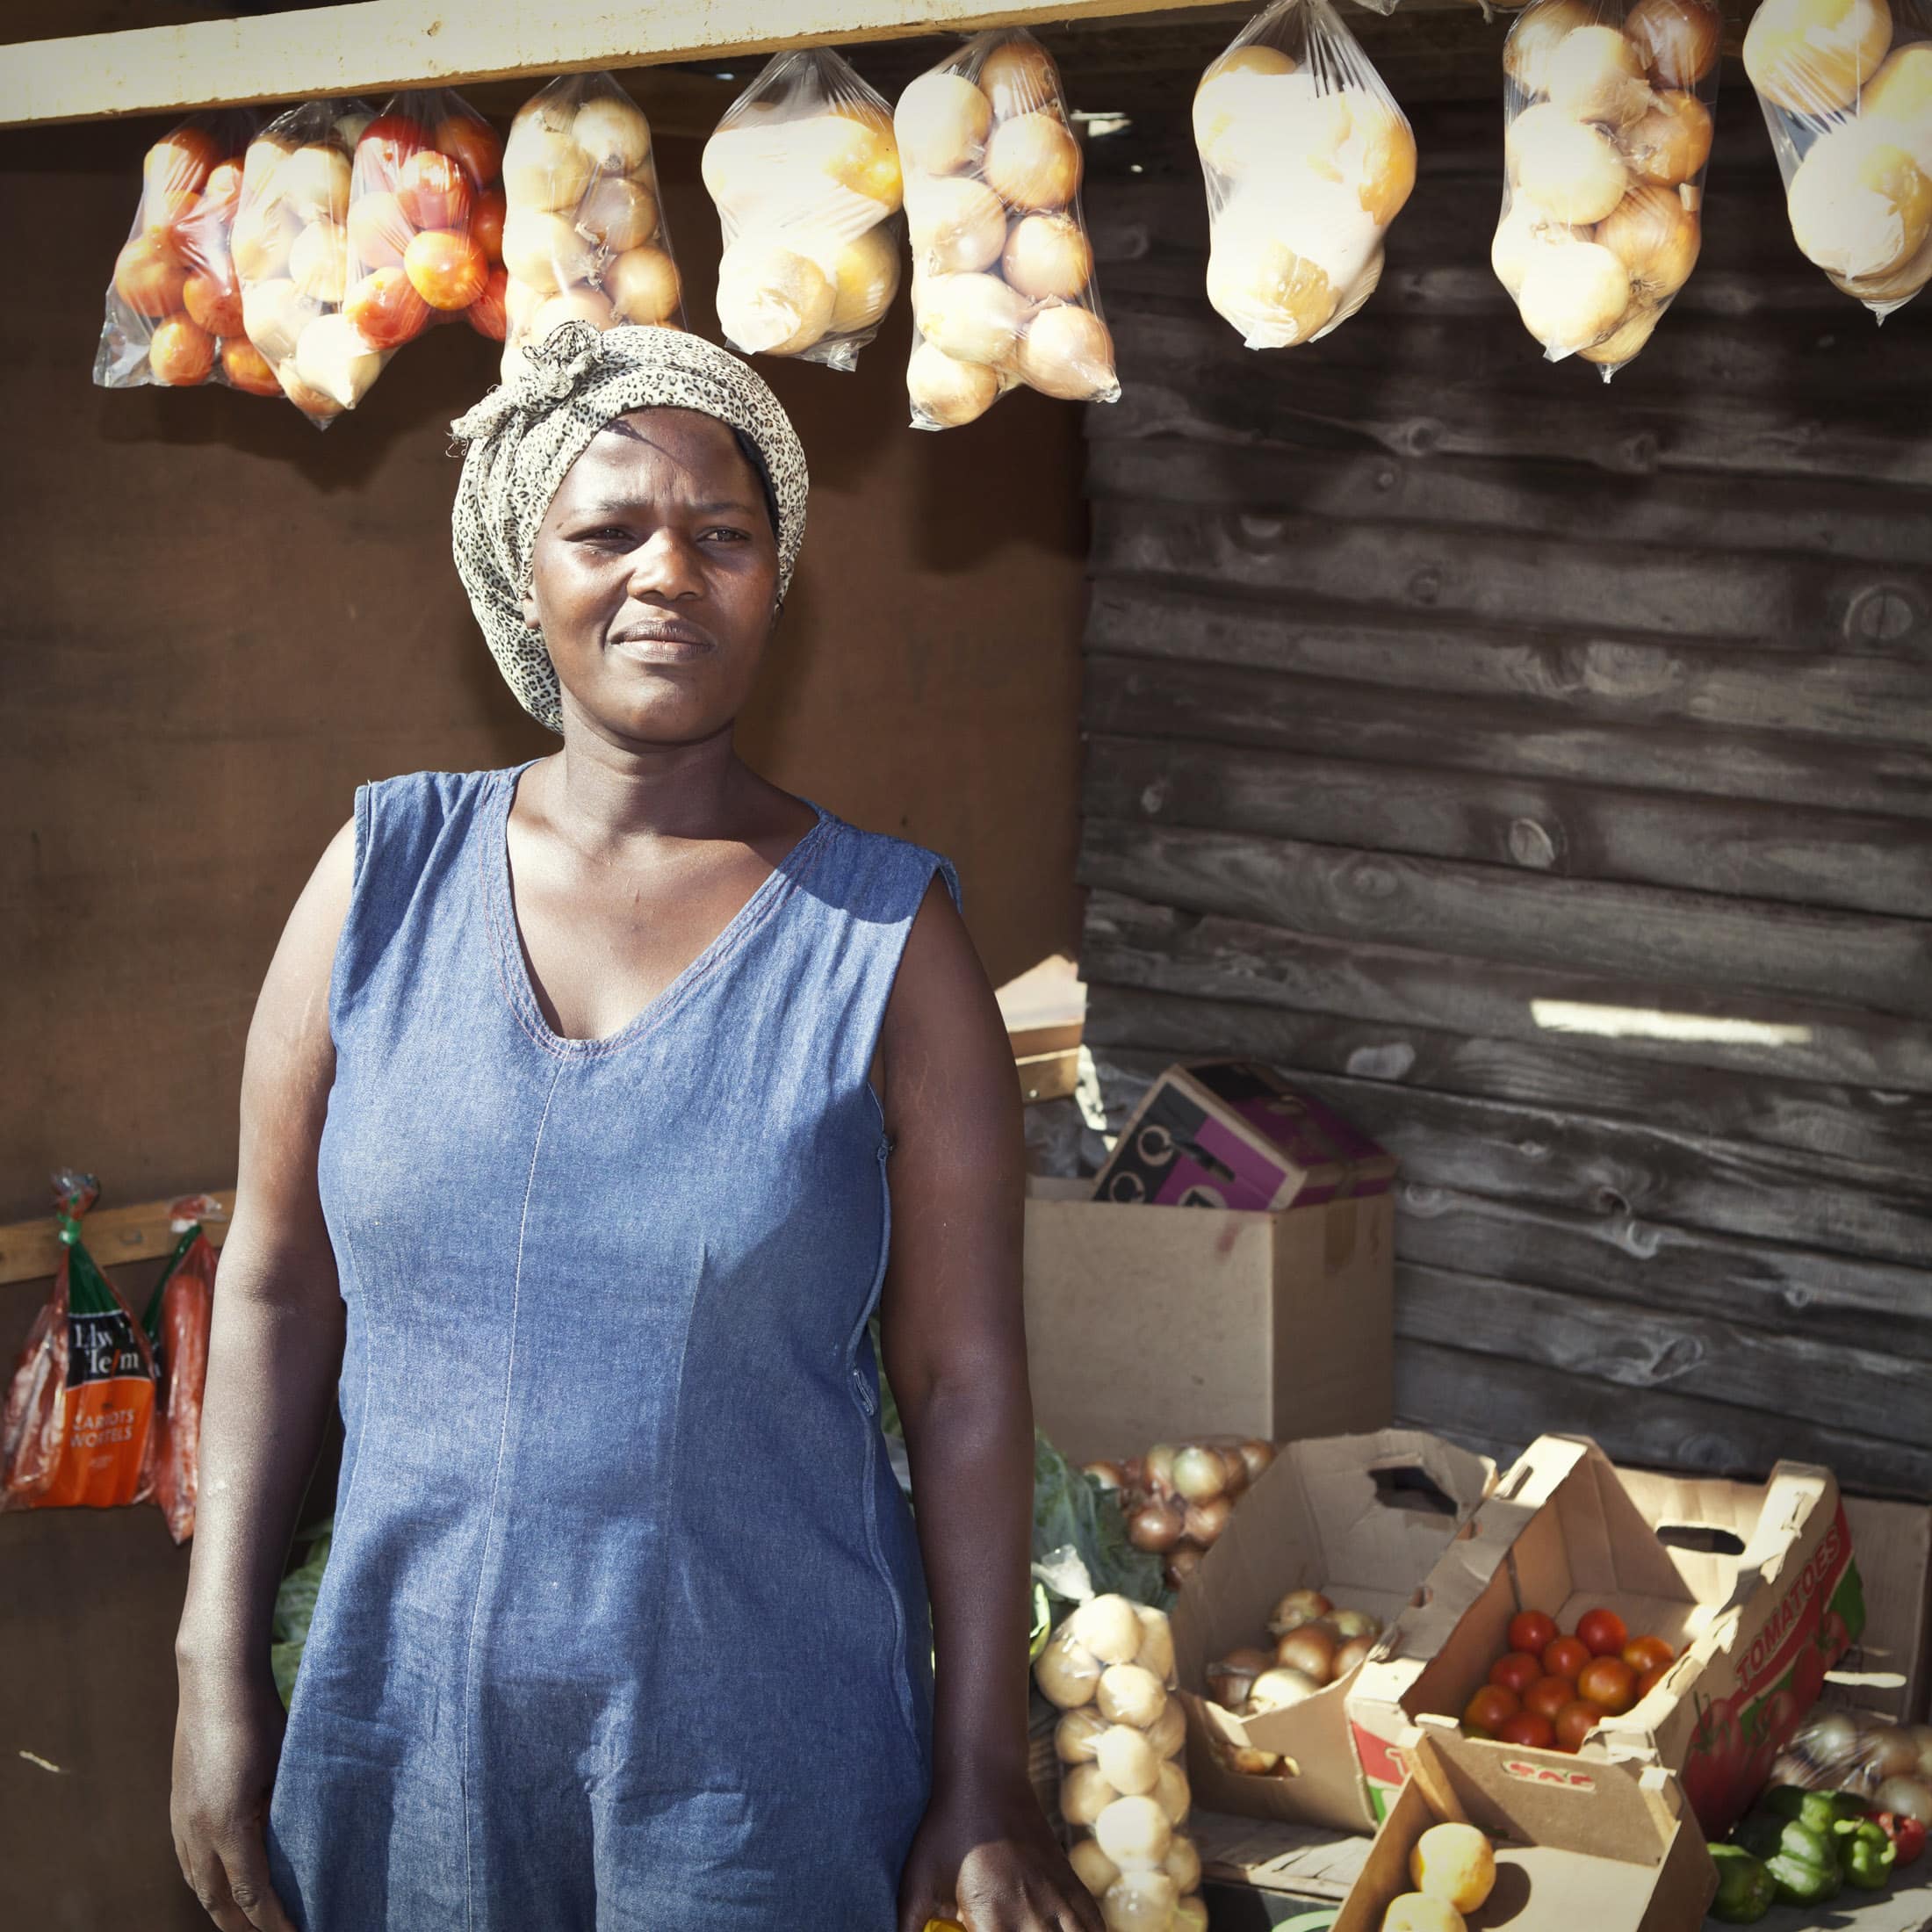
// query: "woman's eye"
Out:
[728,534]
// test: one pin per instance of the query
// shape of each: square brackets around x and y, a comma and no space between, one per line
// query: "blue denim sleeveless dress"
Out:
[623,1627]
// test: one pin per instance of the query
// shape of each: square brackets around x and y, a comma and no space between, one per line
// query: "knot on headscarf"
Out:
[523,436]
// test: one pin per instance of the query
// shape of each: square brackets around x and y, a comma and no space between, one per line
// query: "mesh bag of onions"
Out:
[1120,1740]
[1003,288]
[584,238]
[425,229]
[804,170]
[1846,87]
[1606,135]
[291,248]
[173,306]
[1308,159]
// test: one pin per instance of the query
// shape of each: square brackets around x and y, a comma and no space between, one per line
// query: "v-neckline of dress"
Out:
[519,981]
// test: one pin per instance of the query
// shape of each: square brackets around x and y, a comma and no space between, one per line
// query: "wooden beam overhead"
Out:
[375,47]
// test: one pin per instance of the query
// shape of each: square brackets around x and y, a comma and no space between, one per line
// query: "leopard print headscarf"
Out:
[524,437]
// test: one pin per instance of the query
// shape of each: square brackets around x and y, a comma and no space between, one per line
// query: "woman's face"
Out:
[655,578]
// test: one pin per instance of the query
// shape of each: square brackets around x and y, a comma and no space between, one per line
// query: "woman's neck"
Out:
[601,796]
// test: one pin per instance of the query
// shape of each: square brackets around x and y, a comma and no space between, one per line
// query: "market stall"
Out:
[1528,775]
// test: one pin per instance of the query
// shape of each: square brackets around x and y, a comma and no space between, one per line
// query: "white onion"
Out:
[1128,1695]
[1134,1833]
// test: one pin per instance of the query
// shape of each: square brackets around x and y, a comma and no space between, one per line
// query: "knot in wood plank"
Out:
[1532,845]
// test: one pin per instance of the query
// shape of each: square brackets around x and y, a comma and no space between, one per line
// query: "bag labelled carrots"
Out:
[75,1432]
[177,1321]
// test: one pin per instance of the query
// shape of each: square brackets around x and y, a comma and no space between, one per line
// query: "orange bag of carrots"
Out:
[77,1427]
[177,1319]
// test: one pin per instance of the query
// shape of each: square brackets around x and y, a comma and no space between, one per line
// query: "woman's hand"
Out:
[227,1738]
[988,1859]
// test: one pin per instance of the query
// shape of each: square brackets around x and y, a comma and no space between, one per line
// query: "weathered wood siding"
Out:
[1426,684]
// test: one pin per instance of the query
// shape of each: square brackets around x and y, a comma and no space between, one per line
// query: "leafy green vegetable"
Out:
[294,1606]
[1071,1508]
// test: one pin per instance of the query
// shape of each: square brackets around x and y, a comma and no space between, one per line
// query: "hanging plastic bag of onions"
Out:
[804,170]
[1308,159]
[173,306]
[1003,288]
[1121,1740]
[291,248]
[584,238]
[425,229]
[1846,87]
[1606,135]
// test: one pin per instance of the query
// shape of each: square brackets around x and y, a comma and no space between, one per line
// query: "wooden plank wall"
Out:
[1427,684]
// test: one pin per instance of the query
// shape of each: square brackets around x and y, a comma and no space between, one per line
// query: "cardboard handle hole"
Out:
[1705,1537]
[1408,1487]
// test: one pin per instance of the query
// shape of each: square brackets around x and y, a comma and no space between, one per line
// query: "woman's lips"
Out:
[661,644]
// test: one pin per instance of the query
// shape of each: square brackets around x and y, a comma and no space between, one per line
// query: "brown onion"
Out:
[1296,1608]
[1107,1475]
[1181,1565]
[1155,1526]
[1159,1466]
[1257,1455]
[1310,1649]
[1228,1686]
[1350,1656]
[1199,1474]
[1205,1521]
[1236,1465]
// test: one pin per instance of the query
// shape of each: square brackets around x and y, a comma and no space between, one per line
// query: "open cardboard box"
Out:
[1150,1323]
[1564,1535]
[1593,1847]
[1362,1518]
[1705,1523]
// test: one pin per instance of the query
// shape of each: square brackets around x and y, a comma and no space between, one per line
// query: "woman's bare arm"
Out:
[274,1355]
[955,1353]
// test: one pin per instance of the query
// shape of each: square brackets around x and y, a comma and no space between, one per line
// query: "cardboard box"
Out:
[1233,1134]
[1579,1848]
[1362,1518]
[1147,1322]
[1705,1521]
[1562,1534]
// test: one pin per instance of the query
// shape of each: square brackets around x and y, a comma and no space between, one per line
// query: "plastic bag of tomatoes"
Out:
[584,236]
[425,227]
[290,245]
[174,306]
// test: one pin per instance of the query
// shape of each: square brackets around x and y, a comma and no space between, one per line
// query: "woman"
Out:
[574,1105]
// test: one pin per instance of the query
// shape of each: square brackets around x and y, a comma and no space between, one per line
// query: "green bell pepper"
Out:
[1822,1811]
[1745,1890]
[1866,1853]
[1801,1859]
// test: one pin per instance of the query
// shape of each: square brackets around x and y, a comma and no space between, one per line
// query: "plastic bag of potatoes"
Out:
[425,230]
[584,237]
[1607,132]
[1846,87]
[173,306]
[1003,287]
[805,171]
[1308,159]
[290,245]
[1121,1741]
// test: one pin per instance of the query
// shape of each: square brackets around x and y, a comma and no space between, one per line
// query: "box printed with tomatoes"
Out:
[1577,1632]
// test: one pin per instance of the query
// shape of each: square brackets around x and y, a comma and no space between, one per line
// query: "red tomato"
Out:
[1566,1657]
[386,143]
[148,277]
[247,368]
[1529,1728]
[1575,1722]
[1603,1631]
[1516,1671]
[487,223]
[1643,1654]
[180,352]
[379,230]
[1489,1707]
[387,309]
[471,141]
[1531,1631]
[1548,1695]
[448,269]
[488,314]
[1650,1680]
[214,301]
[433,193]
[1610,1684]
[181,161]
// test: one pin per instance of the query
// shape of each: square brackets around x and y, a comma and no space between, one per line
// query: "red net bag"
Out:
[176,1322]
[174,306]
[77,1429]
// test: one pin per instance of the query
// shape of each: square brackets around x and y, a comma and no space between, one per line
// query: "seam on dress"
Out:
[489,1510]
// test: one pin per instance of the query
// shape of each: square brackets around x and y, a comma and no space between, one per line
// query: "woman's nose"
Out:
[665,565]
